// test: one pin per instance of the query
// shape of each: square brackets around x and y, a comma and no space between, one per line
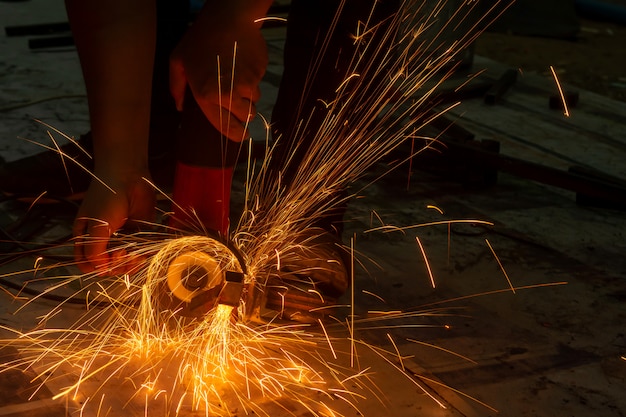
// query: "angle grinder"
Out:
[191,275]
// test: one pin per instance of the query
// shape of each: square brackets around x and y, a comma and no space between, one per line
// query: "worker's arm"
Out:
[116,42]
[222,59]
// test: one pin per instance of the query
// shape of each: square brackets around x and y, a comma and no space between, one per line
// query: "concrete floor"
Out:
[549,349]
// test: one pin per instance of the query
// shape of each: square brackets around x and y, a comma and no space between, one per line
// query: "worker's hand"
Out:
[103,212]
[222,58]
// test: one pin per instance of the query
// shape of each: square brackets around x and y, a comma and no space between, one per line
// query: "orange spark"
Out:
[558,84]
[430,272]
[501,266]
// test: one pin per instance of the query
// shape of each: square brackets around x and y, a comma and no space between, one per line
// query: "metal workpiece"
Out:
[273,301]
[232,289]
[253,304]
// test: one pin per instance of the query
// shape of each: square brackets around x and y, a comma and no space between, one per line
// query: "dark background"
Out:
[587,46]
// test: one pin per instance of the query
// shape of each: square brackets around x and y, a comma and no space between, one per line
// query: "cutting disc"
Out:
[188,274]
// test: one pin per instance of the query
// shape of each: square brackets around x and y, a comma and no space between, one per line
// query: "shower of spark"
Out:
[225,362]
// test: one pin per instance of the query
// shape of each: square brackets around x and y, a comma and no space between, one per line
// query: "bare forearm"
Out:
[115,41]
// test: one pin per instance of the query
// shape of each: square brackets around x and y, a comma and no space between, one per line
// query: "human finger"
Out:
[78,231]
[227,122]
[251,93]
[242,109]
[121,262]
[95,245]
[178,83]
[124,262]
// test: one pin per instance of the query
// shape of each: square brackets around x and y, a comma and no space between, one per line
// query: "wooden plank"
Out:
[592,137]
